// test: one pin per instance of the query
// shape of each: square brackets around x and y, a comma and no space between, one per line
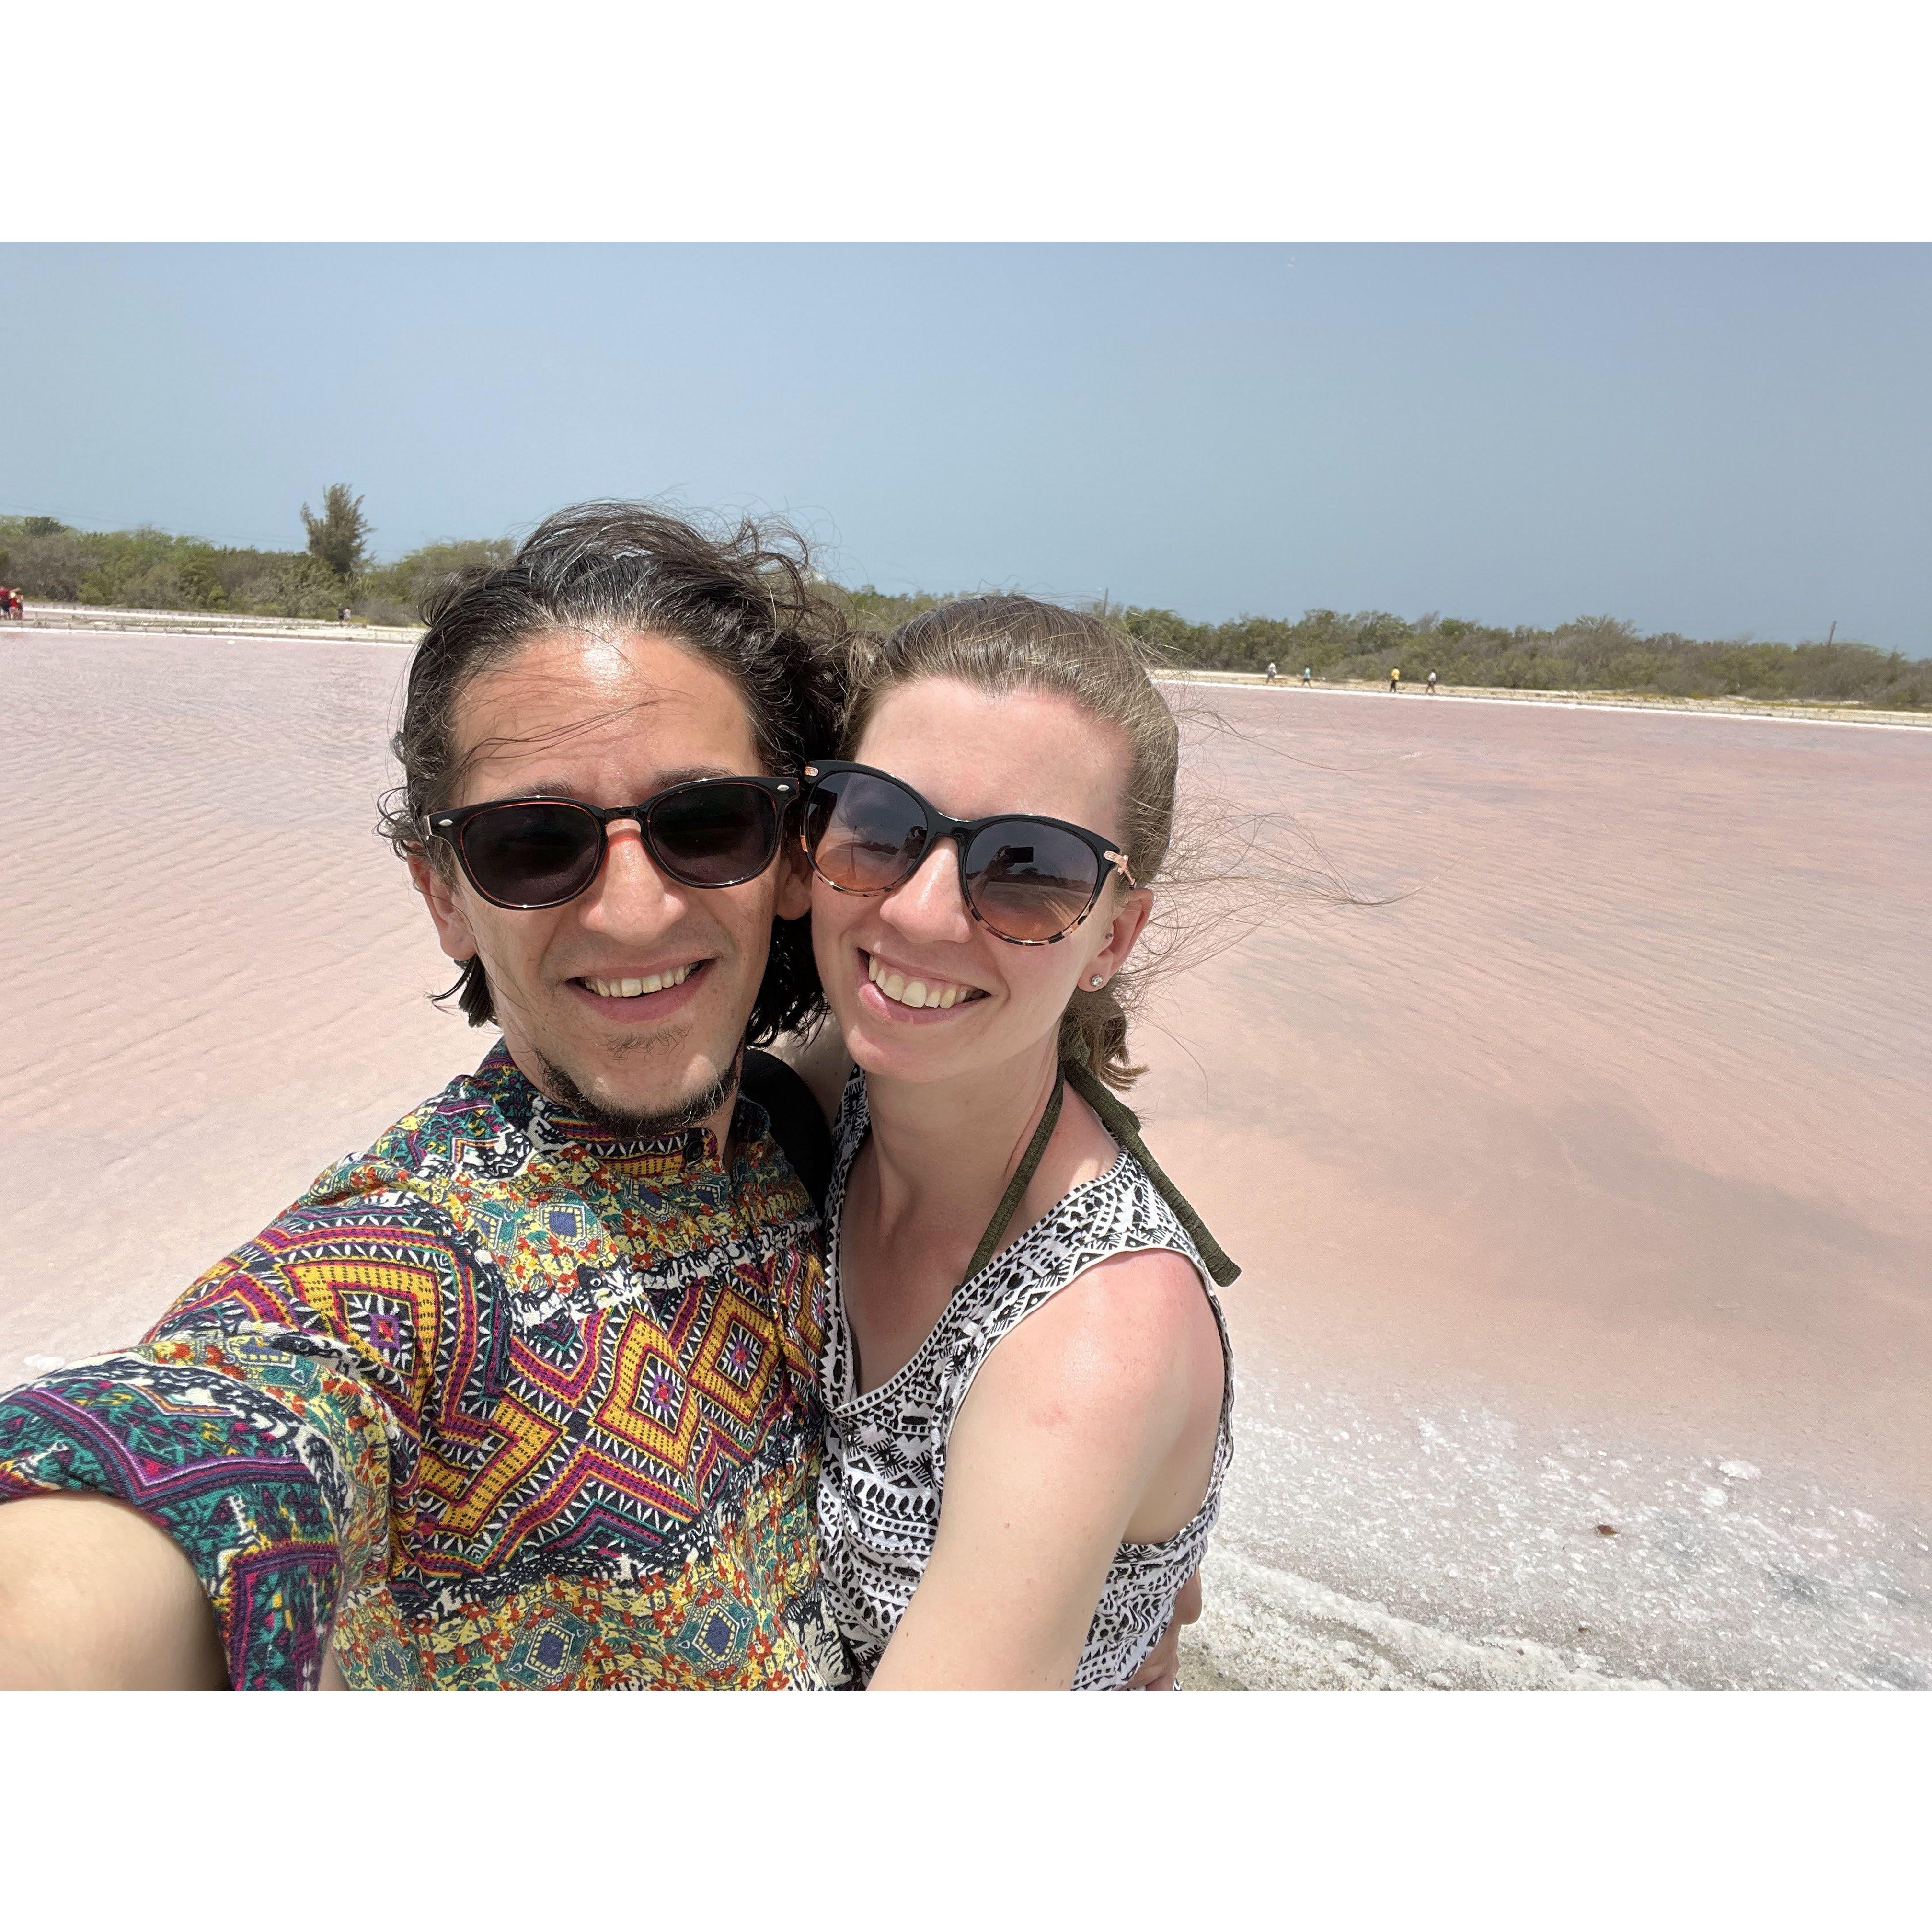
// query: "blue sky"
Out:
[1717,440]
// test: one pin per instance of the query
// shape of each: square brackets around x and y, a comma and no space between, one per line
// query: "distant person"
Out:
[342,613]
[1432,684]
[1270,671]
[1395,682]
[1307,675]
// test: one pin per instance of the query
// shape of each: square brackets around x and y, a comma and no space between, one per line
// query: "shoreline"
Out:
[1265,1629]
[88,619]
[1800,710]
[85,620]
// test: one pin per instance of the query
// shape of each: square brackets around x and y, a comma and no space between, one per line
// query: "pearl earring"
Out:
[1096,982]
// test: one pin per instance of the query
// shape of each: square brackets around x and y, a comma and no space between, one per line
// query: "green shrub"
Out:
[148,568]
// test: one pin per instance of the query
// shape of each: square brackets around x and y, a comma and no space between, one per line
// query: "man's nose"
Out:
[929,905]
[631,896]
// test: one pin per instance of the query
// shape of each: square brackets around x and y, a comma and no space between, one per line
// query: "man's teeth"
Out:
[916,992]
[654,982]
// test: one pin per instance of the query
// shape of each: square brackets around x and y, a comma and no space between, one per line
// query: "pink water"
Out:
[1597,1162]
[1593,1161]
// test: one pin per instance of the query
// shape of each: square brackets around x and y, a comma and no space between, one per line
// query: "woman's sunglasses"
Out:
[1028,880]
[527,854]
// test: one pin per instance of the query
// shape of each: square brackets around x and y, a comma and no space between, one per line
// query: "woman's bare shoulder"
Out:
[1132,1333]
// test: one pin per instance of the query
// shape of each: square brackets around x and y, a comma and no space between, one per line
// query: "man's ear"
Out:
[793,900]
[453,932]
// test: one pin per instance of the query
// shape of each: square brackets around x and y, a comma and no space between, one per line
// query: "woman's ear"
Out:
[453,931]
[1130,921]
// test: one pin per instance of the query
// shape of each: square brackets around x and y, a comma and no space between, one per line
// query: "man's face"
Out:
[613,720]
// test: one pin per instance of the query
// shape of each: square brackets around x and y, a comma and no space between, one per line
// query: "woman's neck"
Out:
[944,1150]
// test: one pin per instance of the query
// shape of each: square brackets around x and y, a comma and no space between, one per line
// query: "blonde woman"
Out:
[1027,1378]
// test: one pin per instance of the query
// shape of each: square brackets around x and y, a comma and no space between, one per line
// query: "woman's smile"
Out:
[908,993]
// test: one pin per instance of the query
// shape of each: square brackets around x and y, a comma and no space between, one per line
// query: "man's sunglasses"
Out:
[527,854]
[1027,880]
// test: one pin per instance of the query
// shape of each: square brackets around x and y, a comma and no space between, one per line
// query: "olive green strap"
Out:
[1124,1126]
[1022,1179]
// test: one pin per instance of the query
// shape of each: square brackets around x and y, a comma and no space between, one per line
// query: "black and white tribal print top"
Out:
[885,1451]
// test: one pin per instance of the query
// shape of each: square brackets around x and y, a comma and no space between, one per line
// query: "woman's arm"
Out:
[1095,1418]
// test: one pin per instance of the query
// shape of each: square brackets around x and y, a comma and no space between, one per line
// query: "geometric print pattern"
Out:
[505,1400]
[879,1494]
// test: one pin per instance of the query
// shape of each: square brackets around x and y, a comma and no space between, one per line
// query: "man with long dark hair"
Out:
[523,1394]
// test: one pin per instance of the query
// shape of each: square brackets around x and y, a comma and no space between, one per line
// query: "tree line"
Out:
[148,569]
[1587,654]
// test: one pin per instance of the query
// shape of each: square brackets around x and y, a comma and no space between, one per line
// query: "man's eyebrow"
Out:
[567,788]
[691,771]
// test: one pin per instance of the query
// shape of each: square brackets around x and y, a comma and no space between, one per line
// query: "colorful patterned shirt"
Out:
[504,1401]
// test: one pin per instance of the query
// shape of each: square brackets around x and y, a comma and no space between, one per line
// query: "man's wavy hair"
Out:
[744,595]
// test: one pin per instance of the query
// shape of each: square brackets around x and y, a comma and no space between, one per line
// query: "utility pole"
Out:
[1834,632]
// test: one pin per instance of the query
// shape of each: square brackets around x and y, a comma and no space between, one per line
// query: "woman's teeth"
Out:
[917,992]
[654,982]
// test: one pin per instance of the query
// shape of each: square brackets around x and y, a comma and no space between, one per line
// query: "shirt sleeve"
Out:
[248,1453]
[251,1424]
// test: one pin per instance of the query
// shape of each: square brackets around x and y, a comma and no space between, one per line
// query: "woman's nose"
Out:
[928,905]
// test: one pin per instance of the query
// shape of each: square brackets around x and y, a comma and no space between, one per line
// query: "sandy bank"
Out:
[83,618]
[186,623]
[1810,711]
[1264,1629]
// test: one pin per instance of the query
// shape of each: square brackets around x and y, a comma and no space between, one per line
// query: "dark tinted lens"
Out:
[532,855]
[716,834]
[864,834]
[1028,881]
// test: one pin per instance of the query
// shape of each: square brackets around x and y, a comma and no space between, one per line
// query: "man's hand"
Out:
[1161,1669]
[94,1597]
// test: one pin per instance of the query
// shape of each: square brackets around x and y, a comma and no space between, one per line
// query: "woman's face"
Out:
[973,756]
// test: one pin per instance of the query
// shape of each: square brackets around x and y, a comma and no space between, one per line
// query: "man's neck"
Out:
[710,1112]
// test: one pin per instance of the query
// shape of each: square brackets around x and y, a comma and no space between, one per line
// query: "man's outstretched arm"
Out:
[94,1597]
[259,1463]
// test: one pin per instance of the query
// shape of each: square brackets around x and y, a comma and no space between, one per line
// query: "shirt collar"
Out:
[547,1120]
